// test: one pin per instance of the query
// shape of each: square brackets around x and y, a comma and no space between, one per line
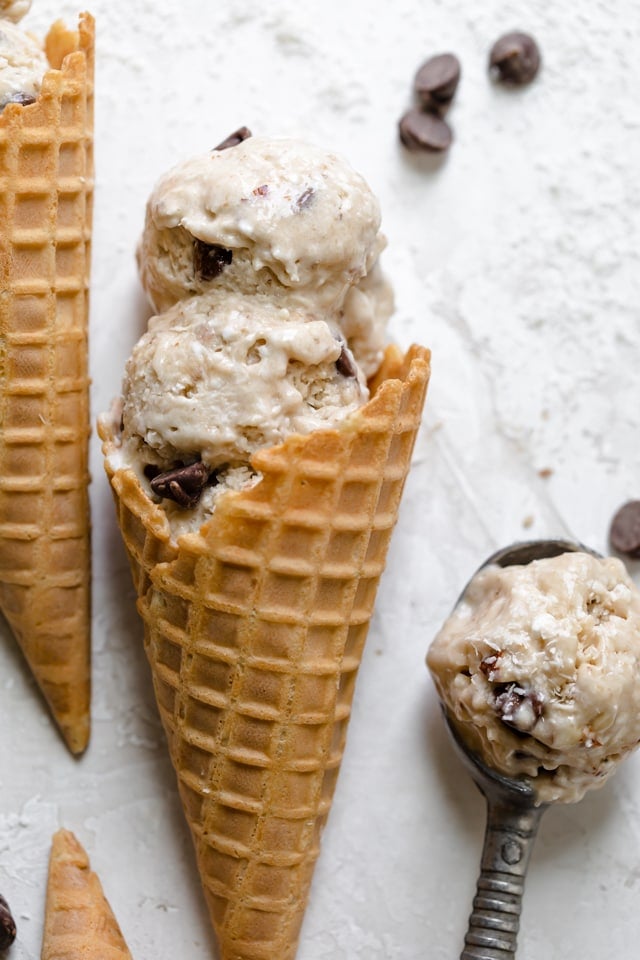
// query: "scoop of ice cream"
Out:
[22,65]
[215,378]
[14,9]
[540,667]
[272,216]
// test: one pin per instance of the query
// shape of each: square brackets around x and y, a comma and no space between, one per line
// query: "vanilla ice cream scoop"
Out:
[539,668]
[272,216]
[216,378]
[22,63]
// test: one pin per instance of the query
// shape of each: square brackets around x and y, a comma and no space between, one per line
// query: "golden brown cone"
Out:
[46,197]
[254,628]
[79,923]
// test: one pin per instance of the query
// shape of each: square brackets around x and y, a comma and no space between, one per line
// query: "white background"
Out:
[517,260]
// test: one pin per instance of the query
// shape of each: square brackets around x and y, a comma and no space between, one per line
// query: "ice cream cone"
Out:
[46,187]
[79,923]
[254,629]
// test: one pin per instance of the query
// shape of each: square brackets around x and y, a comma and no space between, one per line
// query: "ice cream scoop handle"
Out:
[495,919]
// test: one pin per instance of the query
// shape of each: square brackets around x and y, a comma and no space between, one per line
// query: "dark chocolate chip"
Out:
[151,470]
[7,925]
[345,363]
[424,131]
[515,59]
[242,133]
[184,485]
[209,259]
[624,533]
[24,99]
[509,698]
[305,198]
[436,81]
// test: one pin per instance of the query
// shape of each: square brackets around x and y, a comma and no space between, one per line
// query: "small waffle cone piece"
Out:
[254,628]
[46,186]
[79,923]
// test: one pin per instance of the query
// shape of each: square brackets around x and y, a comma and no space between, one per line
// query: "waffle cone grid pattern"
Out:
[254,628]
[46,189]
[79,923]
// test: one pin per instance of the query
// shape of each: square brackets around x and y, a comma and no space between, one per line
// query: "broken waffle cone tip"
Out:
[254,629]
[46,185]
[79,923]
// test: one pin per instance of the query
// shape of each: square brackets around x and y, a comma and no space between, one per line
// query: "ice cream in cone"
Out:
[46,185]
[79,923]
[256,562]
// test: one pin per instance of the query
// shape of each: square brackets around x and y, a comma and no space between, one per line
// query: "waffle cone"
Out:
[254,628]
[46,186]
[79,923]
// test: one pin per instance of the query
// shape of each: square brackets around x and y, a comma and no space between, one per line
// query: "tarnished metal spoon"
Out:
[513,817]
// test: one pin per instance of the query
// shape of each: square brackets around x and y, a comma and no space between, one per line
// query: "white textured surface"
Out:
[517,260]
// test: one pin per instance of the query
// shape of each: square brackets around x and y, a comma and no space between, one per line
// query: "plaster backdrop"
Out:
[516,258]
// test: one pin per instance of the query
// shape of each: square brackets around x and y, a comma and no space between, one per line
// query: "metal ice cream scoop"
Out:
[513,817]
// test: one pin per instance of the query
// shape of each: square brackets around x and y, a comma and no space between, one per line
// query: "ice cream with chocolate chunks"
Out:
[23,63]
[217,377]
[539,666]
[261,257]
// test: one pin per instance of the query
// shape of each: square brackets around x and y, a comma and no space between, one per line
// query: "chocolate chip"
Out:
[209,259]
[424,131]
[7,925]
[24,99]
[518,708]
[345,363]
[150,471]
[305,198]
[436,81]
[242,133]
[184,485]
[624,533]
[515,59]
